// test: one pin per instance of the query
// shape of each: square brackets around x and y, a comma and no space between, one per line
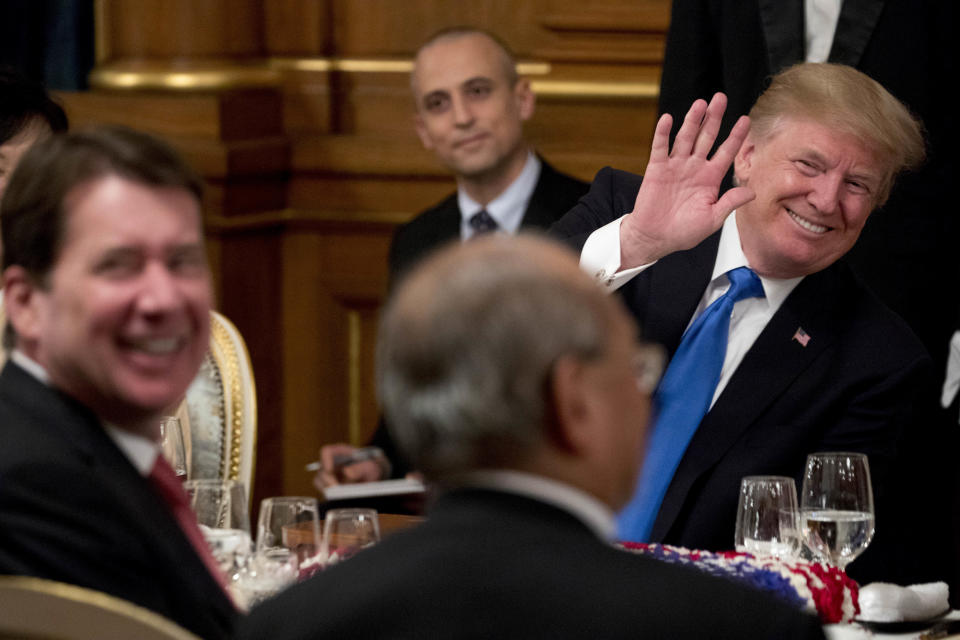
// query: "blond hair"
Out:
[845,100]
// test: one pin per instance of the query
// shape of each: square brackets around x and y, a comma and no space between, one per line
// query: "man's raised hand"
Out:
[678,206]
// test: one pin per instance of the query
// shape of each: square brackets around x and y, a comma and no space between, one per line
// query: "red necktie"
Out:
[170,488]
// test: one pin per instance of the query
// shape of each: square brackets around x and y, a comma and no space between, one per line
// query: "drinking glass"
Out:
[291,523]
[767,517]
[836,506]
[267,573]
[171,444]
[348,531]
[221,508]
[219,504]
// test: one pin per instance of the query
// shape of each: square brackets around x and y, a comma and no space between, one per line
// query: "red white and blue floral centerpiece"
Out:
[813,586]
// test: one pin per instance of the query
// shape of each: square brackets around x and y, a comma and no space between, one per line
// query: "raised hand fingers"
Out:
[660,148]
[690,129]
[711,125]
[732,199]
[728,150]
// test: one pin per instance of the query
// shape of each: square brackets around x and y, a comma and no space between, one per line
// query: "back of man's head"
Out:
[848,101]
[467,348]
[33,210]
[25,104]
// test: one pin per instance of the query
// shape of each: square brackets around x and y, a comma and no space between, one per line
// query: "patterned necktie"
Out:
[683,398]
[168,485]
[482,222]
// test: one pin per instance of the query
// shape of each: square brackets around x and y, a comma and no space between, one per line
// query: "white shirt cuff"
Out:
[600,257]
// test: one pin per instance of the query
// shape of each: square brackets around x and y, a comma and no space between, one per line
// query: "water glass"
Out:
[836,506]
[219,504]
[172,447]
[767,521]
[267,573]
[346,532]
[291,523]
[221,508]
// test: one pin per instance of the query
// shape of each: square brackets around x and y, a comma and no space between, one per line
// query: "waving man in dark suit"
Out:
[805,359]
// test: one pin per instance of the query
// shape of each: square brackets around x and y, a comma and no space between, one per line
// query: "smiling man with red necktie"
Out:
[107,294]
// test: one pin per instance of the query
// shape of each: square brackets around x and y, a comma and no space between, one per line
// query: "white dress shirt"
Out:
[140,451]
[820,25]
[597,516]
[600,258]
[508,207]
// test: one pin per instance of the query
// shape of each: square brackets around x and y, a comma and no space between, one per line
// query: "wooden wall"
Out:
[298,114]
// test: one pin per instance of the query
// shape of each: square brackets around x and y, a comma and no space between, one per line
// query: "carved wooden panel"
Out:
[298,114]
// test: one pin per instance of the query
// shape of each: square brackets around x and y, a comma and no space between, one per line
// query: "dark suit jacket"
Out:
[487,564]
[851,388]
[552,197]
[73,509]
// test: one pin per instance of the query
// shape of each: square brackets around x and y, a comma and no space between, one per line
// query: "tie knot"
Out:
[483,222]
[744,284]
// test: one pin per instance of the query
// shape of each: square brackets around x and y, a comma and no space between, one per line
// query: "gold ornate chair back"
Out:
[36,608]
[219,414]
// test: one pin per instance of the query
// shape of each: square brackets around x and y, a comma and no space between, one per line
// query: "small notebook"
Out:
[373,489]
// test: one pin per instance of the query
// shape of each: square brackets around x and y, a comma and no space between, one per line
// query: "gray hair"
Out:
[467,347]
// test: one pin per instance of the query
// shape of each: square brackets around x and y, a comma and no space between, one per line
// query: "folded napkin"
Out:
[883,602]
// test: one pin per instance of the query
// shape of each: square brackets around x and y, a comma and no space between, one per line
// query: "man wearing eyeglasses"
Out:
[520,390]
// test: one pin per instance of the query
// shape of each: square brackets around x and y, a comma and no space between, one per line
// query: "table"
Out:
[856,632]
[302,534]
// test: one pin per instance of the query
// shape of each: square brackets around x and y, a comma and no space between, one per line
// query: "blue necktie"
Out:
[683,398]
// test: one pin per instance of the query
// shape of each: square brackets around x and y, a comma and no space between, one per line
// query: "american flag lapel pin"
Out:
[801,336]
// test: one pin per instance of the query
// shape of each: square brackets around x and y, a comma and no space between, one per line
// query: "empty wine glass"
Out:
[171,444]
[221,508]
[291,523]
[767,517]
[348,531]
[836,506]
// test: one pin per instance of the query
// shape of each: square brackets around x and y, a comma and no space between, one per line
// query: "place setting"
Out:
[290,544]
[830,525]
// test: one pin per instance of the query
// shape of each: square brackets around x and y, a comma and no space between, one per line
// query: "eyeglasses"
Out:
[649,361]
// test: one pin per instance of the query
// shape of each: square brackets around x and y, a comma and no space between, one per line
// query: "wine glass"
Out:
[836,506]
[171,444]
[767,517]
[348,531]
[287,548]
[291,523]
[221,508]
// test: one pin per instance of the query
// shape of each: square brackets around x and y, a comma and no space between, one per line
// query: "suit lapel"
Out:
[674,288]
[160,533]
[771,365]
[549,201]
[448,226]
[782,23]
[858,18]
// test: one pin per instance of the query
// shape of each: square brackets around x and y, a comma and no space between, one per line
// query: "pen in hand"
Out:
[344,459]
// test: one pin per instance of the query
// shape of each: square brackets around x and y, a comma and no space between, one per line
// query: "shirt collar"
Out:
[31,366]
[140,451]
[730,256]
[597,516]
[507,208]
